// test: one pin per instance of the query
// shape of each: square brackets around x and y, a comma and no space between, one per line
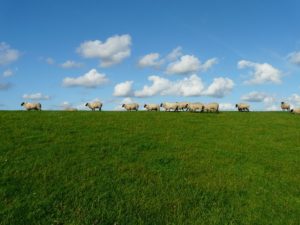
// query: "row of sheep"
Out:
[168,106]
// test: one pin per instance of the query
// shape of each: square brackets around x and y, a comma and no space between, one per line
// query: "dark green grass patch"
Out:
[149,168]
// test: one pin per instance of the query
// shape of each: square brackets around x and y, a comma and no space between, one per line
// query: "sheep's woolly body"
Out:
[195,107]
[211,107]
[131,106]
[182,105]
[285,106]
[168,106]
[152,107]
[94,105]
[32,106]
[243,107]
[295,111]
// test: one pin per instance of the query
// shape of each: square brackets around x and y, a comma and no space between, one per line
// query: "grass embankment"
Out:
[149,168]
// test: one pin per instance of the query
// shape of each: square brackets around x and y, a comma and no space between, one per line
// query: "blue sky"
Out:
[67,53]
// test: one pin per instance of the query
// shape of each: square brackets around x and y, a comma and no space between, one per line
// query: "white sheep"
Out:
[193,107]
[168,106]
[32,106]
[182,105]
[295,111]
[211,107]
[131,106]
[152,107]
[94,105]
[243,107]
[285,106]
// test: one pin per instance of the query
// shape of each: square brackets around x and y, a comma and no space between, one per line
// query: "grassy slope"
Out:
[149,168]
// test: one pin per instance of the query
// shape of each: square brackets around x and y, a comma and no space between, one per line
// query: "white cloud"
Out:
[188,64]
[188,86]
[113,51]
[50,61]
[174,54]
[255,96]
[91,79]
[220,87]
[5,86]
[36,96]
[7,54]
[294,100]
[263,72]
[159,84]
[185,65]
[151,60]
[294,58]
[8,73]
[71,64]
[269,101]
[123,89]
[227,107]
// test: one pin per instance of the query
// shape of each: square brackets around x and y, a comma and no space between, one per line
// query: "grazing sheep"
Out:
[94,105]
[182,105]
[193,107]
[168,106]
[211,107]
[32,106]
[152,107]
[285,106]
[295,111]
[131,106]
[242,107]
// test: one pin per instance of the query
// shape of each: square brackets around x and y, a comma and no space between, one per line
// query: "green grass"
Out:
[149,168]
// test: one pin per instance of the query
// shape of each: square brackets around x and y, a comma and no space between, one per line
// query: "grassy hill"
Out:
[149,168]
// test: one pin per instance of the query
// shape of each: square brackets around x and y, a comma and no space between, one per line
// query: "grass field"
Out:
[149,168]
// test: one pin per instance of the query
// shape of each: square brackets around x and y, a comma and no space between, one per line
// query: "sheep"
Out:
[195,106]
[32,106]
[94,105]
[211,107]
[131,106]
[242,107]
[168,106]
[152,107]
[295,111]
[182,105]
[285,106]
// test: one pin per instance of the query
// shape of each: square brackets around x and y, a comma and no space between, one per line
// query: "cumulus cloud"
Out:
[91,79]
[220,87]
[294,100]
[5,86]
[113,51]
[294,58]
[7,54]
[188,86]
[71,64]
[8,73]
[262,72]
[174,54]
[227,107]
[123,89]
[255,96]
[36,96]
[151,60]
[269,101]
[188,64]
